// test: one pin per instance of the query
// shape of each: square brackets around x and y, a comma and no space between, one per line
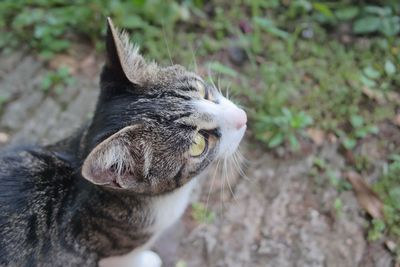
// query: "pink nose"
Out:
[239,118]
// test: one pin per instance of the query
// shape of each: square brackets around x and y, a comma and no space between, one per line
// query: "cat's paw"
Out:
[147,258]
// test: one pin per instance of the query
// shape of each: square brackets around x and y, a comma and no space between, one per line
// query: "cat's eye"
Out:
[199,145]
[202,89]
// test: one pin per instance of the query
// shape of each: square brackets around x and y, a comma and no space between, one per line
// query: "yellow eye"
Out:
[201,88]
[198,146]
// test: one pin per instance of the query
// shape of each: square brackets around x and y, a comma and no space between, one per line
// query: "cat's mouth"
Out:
[230,142]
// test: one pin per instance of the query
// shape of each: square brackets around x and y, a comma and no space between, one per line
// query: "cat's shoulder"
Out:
[29,161]
[26,170]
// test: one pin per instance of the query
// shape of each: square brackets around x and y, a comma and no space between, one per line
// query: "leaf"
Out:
[394,194]
[372,129]
[133,22]
[46,82]
[372,73]
[366,197]
[390,68]
[268,25]
[347,13]
[377,10]
[294,144]
[338,204]
[222,69]
[276,140]
[356,121]
[349,143]
[323,9]
[63,72]
[390,26]
[367,82]
[378,226]
[366,25]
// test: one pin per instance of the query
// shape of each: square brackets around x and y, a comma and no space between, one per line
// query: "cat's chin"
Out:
[231,143]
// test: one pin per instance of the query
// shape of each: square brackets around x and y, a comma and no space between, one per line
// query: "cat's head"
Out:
[156,128]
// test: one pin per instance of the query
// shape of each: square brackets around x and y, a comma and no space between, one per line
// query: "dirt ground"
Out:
[279,215]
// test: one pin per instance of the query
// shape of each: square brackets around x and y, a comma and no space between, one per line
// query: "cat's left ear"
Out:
[119,161]
[123,58]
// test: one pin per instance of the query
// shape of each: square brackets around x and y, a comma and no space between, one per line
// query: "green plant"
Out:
[275,130]
[338,206]
[377,227]
[181,263]
[57,80]
[201,215]
[360,129]
[382,19]
[47,25]
[339,183]
[388,188]
[3,99]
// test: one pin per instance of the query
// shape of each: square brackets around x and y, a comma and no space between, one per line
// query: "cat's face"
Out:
[156,128]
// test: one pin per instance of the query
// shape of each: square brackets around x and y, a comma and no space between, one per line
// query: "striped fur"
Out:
[120,180]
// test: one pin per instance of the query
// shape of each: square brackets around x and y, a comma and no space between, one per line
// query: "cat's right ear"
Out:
[124,61]
[114,52]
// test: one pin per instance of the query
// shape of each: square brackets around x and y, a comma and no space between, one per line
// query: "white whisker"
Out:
[212,183]
[166,43]
[212,81]
[194,60]
[239,167]
[229,185]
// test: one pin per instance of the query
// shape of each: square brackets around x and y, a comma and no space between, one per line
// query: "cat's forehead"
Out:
[176,76]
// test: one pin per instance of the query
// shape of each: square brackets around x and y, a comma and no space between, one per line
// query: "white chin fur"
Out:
[230,141]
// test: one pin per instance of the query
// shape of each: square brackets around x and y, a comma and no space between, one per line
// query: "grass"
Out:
[327,65]
[201,214]
[56,80]
[388,188]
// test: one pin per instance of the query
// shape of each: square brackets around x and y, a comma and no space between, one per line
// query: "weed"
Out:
[57,80]
[377,227]
[388,188]
[282,127]
[181,263]
[201,215]
[338,206]
[47,25]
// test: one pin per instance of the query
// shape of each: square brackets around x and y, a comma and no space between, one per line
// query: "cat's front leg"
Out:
[141,258]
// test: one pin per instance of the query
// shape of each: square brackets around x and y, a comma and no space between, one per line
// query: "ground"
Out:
[280,214]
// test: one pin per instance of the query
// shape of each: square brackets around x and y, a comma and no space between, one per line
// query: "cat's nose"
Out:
[238,118]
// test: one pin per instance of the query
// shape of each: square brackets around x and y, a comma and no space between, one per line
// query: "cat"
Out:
[102,196]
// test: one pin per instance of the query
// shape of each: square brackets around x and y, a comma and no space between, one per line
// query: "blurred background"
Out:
[319,183]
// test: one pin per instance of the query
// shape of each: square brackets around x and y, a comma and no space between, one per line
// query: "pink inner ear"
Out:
[111,162]
[97,175]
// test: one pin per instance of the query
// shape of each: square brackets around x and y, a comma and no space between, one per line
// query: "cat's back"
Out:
[32,180]
[26,174]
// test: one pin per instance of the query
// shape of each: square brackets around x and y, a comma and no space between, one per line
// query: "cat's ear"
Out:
[113,51]
[119,161]
[123,57]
